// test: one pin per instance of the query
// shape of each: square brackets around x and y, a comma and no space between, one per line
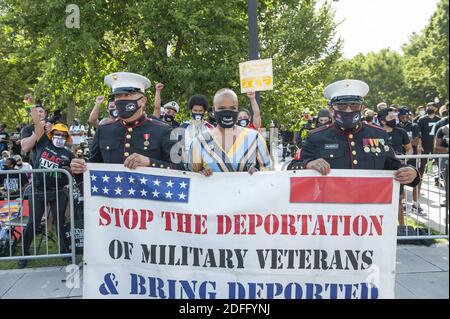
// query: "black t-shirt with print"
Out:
[426,129]
[49,156]
[397,138]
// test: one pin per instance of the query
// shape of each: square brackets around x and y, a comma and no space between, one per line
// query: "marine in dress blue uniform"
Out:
[348,143]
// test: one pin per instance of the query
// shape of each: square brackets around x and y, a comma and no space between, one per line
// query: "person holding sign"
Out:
[244,117]
[349,143]
[228,147]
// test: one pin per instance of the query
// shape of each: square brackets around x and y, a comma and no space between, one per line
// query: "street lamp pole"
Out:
[253,33]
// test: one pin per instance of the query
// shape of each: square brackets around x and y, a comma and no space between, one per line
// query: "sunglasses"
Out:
[344,107]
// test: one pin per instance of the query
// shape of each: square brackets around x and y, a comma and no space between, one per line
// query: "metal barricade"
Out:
[426,216]
[45,202]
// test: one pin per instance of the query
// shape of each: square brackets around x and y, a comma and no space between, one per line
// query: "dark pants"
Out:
[423,163]
[58,203]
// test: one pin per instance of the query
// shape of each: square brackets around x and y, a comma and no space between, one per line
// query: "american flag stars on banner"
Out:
[139,186]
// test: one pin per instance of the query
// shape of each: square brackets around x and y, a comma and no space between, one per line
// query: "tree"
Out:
[192,46]
[301,39]
[427,57]
[382,71]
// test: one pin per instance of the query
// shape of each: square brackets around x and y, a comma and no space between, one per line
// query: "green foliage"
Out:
[426,59]
[382,71]
[192,46]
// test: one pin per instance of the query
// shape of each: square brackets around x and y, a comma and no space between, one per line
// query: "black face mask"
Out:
[113,113]
[244,122]
[168,118]
[322,124]
[197,116]
[390,123]
[127,108]
[369,118]
[226,119]
[347,120]
[430,111]
[212,119]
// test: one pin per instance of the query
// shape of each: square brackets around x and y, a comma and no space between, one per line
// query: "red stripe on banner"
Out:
[349,190]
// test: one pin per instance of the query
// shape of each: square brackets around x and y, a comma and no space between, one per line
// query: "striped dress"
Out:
[248,150]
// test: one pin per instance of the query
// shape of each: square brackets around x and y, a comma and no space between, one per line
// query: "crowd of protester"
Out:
[48,143]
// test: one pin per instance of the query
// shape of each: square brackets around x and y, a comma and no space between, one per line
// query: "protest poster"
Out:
[153,233]
[256,75]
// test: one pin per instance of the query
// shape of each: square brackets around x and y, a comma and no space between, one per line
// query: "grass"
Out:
[414,223]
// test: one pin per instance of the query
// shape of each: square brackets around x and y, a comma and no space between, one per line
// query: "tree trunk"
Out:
[70,111]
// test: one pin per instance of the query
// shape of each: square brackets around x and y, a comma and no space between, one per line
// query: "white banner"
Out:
[152,233]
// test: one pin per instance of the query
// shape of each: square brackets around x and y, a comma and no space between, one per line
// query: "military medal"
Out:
[146,143]
[372,145]
[366,147]
[377,149]
[386,148]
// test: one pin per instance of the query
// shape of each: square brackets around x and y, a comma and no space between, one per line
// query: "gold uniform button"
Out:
[127,145]
[354,152]
[355,162]
[331,155]
[107,147]
[350,136]
[162,166]
[126,154]
[352,143]
[153,164]
[128,136]
[130,129]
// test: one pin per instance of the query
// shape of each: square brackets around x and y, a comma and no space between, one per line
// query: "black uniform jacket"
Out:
[114,142]
[366,147]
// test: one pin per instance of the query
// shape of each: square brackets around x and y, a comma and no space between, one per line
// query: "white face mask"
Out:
[58,141]
[422,113]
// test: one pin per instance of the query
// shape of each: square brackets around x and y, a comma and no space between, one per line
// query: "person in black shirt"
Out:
[399,141]
[48,187]
[426,124]
[27,136]
[443,112]
[398,137]
[412,129]
[441,145]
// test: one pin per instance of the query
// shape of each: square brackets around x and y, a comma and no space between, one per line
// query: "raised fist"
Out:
[99,99]
[159,87]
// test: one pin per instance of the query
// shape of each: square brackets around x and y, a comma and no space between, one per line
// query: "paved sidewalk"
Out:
[422,273]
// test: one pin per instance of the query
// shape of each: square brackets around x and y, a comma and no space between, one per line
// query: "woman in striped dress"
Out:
[228,147]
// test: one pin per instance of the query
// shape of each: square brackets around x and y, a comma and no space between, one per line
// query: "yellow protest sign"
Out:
[256,75]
